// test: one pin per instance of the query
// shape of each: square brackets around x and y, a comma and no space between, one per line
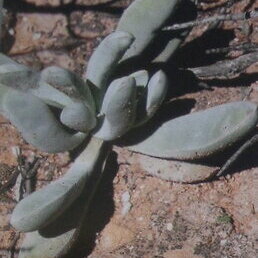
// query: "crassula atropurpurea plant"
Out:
[113,99]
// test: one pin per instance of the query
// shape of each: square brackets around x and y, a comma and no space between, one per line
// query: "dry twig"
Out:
[225,17]
[226,69]
[237,154]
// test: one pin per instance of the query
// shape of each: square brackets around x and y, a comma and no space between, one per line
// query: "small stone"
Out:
[223,242]
[126,203]
[150,237]
[11,31]
[169,226]
[36,36]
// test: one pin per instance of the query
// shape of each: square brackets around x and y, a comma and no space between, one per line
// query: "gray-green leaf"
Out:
[36,122]
[118,109]
[69,83]
[78,117]
[104,60]
[18,76]
[200,134]
[45,205]
[36,246]
[141,78]
[143,18]
[153,97]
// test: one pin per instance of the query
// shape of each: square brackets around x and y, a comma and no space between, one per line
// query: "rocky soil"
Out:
[134,214]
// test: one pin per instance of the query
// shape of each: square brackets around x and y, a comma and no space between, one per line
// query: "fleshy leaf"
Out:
[153,98]
[59,237]
[170,48]
[45,205]
[34,245]
[200,134]
[69,83]
[157,90]
[3,92]
[78,117]
[143,18]
[51,95]
[62,88]
[141,78]
[104,60]
[118,109]
[1,20]
[55,86]
[37,124]
[5,59]
[18,76]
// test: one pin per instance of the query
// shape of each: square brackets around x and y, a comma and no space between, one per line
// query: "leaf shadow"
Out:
[193,54]
[102,208]
[159,42]
[100,212]
[170,110]
[246,161]
[243,80]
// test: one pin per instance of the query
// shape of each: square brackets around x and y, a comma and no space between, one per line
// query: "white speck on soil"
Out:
[126,203]
[169,226]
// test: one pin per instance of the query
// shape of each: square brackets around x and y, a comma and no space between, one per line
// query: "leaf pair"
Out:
[27,97]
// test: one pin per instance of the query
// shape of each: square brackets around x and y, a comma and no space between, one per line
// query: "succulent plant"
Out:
[1,15]
[98,110]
